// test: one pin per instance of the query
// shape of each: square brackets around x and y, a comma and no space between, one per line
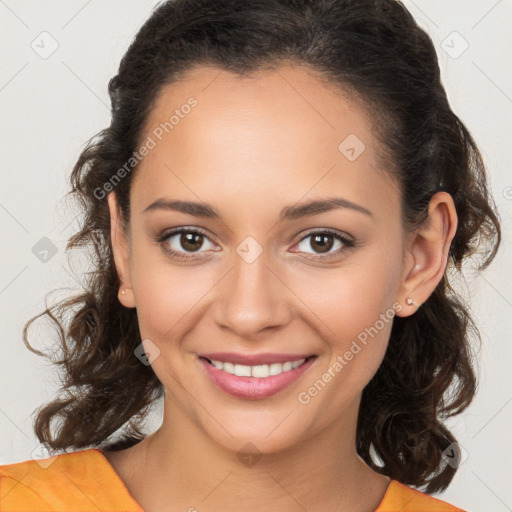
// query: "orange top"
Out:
[85,481]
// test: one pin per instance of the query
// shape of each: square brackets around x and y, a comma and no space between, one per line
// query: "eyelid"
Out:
[188,229]
[330,231]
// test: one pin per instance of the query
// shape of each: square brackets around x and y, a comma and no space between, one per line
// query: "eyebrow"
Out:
[288,213]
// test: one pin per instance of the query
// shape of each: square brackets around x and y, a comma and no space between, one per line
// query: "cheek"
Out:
[352,297]
[359,324]
[355,315]
[353,311]
[167,295]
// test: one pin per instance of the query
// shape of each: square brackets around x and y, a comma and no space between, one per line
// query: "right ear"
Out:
[120,248]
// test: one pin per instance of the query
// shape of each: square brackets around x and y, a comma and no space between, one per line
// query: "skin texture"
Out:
[251,147]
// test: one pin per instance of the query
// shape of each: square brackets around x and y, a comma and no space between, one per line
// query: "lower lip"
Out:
[254,388]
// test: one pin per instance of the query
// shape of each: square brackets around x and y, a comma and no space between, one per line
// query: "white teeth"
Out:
[228,367]
[242,371]
[287,366]
[260,371]
[275,368]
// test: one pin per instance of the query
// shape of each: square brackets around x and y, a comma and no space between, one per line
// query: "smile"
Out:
[254,381]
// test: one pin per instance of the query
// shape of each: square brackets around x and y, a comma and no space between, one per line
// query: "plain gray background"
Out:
[57,58]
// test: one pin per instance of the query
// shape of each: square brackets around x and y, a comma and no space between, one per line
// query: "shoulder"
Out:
[78,481]
[404,498]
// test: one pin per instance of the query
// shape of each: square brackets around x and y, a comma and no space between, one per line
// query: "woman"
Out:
[274,211]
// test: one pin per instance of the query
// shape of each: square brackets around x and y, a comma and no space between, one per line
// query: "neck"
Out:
[180,465]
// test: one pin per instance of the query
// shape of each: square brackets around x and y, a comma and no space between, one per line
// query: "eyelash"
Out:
[348,243]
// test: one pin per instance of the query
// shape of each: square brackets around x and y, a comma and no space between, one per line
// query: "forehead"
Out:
[283,132]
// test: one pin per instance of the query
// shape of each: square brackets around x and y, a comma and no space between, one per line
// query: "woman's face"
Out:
[265,274]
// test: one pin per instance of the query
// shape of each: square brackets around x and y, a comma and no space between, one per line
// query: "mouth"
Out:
[255,381]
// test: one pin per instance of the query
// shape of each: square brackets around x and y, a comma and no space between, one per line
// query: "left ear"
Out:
[427,254]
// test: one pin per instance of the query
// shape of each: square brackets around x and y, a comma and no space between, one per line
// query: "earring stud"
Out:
[123,291]
[410,302]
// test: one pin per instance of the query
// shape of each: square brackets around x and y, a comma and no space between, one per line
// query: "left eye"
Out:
[323,241]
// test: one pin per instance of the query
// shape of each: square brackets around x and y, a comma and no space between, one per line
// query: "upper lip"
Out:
[253,359]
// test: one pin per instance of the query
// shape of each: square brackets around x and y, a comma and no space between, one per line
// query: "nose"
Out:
[252,298]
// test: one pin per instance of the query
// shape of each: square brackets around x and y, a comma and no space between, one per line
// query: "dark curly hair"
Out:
[373,50]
